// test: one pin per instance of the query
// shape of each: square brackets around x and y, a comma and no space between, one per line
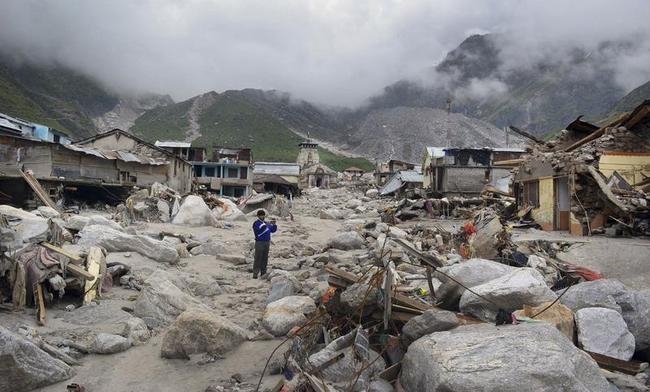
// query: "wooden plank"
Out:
[628,367]
[40,312]
[61,251]
[391,373]
[526,134]
[78,271]
[38,189]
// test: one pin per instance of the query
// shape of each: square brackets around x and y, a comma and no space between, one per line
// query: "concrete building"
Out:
[228,171]
[277,177]
[33,130]
[464,171]
[579,187]
[139,158]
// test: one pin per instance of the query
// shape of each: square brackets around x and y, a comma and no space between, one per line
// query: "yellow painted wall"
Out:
[544,213]
[629,167]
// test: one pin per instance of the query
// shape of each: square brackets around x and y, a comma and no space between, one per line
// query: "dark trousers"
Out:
[261,257]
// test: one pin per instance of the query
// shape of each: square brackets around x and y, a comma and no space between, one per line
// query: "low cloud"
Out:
[327,51]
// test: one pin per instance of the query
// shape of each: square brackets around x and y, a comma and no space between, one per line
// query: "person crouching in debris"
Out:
[262,231]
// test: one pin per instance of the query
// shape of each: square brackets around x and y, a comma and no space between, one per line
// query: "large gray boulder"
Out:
[211,248]
[332,213]
[200,331]
[484,243]
[106,343]
[161,301]
[604,331]
[228,211]
[48,212]
[30,228]
[24,366]
[433,320]
[346,241]
[596,294]
[470,273]
[76,222]
[194,212]
[282,315]
[102,221]
[482,357]
[360,297]
[283,286]
[523,286]
[633,305]
[136,330]
[116,241]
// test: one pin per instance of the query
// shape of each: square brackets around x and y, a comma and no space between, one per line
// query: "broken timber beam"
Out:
[74,269]
[606,191]
[526,134]
[38,189]
[627,367]
[40,303]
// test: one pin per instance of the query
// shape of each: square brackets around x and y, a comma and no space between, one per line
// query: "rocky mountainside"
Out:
[542,97]
[403,133]
[128,109]
[67,100]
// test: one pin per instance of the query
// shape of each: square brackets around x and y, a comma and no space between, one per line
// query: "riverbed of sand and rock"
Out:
[348,300]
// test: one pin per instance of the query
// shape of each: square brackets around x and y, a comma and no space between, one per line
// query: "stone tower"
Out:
[308,154]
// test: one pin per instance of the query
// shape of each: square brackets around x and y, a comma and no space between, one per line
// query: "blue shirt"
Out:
[263,230]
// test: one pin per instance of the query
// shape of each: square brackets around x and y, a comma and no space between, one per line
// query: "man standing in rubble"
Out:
[262,232]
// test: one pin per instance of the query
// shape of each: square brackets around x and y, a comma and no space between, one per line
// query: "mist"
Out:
[330,52]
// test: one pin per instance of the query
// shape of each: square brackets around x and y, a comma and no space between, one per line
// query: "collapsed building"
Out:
[105,166]
[590,177]
[464,171]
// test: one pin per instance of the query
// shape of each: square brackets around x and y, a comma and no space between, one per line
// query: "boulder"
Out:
[136,330]
[472,272]
[372,193]
[283,286]
[117,241]
[199,331]
[228,211]
[161,301]
[346,241]
[282,315]
[25,367]
[210,248]
[396,232]
[523,286]
[163,210]
[106,343]
[332,213]
[29,227]
[101,221]
[432,320]
[48,212]
[483,357]
[604,331]
[600,293]
[380,385]
[485,240]
[234,259]
[358,295]
[76,222]
[353,203]
[194,212]
[633,305]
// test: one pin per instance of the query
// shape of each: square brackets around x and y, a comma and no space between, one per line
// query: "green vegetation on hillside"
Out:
[340,163]
[233,122]
[164,122]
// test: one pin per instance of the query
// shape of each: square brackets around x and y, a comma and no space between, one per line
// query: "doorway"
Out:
[562,203]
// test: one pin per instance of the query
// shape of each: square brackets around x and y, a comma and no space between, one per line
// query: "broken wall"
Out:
[632,166]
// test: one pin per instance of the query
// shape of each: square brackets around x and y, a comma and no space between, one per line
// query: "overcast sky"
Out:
[334,52]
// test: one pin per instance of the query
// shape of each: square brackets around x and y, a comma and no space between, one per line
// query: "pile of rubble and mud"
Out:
[363,294]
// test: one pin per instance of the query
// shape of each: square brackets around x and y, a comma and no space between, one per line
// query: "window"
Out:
[232,173]
[209,172]
[198,171]
[243,173]
[531,193]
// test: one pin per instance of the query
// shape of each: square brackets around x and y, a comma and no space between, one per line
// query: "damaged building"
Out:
[105,166]
[590,177]
[464,171]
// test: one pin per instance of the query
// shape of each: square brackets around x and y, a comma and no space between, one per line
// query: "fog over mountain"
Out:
[331,52]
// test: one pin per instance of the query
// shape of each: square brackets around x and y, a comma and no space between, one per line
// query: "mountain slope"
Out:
[234,119]
[630,101]
[541,97]
[403,133]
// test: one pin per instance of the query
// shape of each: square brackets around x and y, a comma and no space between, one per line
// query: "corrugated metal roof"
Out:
[410,176]
[172,144]
[123,156]
[279,168]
